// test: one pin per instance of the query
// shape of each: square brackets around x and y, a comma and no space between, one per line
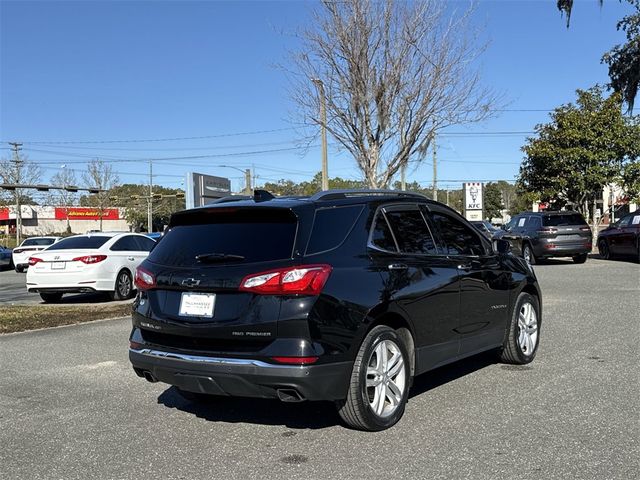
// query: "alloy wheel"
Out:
[124,285]
[527,328]
[386,378]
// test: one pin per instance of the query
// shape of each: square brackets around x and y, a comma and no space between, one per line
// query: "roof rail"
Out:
[231,198]
[356,192]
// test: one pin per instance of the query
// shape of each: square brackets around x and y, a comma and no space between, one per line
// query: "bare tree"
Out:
[18,170]
[99,175]
[394,74]
[64,178]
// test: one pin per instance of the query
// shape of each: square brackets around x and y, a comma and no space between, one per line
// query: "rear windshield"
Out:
[77,243]
[38,241]
[563,219]
[258,235]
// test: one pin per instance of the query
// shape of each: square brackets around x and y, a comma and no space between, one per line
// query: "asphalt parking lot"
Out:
[71,407]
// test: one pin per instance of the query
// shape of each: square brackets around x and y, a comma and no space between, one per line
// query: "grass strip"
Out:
[19,318]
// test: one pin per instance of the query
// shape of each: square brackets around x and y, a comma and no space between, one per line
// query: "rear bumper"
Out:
[560,250]
[242,377]
[61,289]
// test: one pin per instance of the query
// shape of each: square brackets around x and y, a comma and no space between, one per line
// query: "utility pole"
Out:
[403,180]
[435,171]
[150,202]
[447,197]
[323,125]
[247,181]
[18,162]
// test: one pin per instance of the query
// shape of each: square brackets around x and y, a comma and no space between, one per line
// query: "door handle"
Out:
[397,266]
[465,267]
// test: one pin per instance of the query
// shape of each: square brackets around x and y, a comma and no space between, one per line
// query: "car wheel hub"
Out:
[386,378]
[527,328]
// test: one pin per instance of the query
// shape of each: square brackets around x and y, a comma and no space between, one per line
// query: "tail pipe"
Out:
[290,395]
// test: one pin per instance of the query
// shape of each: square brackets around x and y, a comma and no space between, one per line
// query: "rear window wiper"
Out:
[218,258]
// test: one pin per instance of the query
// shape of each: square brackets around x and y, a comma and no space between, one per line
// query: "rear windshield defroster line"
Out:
[257,234]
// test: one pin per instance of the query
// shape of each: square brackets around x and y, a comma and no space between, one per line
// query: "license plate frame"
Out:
[197,304]
[58,265]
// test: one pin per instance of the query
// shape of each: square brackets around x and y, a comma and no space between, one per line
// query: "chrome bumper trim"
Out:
[210,360]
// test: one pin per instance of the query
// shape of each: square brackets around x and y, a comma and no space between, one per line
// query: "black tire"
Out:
[511,351]
[123,287]
[580,258]
[528,255]
[51,297]
[195,397]
[19,269]
[11,265]
[356,410]
[603,249]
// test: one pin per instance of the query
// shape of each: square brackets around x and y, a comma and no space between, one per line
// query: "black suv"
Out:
[550,234]
[342,296]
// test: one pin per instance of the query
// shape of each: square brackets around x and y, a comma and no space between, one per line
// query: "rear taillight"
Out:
[34,260]
[303,280]
[90,259]
[144,279]
[295,360]
[547,230]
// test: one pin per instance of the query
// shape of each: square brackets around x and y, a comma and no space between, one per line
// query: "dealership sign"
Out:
[78,213]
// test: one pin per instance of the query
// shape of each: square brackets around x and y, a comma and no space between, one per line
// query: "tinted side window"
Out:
[381,235]
[534,223]
[331,226]
[144,244]
[125,244]
[411,232]
[457,237]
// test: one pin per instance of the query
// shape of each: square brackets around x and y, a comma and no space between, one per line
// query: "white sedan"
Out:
[28,247]
[96,262]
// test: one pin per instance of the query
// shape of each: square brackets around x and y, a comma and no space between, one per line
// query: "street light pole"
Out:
[323,127]
[150,202]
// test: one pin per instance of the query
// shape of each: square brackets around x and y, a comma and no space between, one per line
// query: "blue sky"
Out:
[151,70]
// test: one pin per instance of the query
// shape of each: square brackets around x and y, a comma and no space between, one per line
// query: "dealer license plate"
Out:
[197,304]
[58,265]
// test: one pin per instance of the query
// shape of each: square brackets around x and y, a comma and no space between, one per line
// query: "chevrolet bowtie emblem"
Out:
[190,282]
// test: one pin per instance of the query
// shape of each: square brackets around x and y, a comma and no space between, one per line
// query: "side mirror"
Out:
[501,246]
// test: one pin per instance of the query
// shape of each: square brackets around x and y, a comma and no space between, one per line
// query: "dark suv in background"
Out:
[342,296]
[550,234]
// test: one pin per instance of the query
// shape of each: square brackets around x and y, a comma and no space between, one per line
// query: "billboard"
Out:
[473,204]
[79,213]
[203,189]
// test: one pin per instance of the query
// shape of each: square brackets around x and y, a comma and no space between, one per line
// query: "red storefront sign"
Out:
[4,213]
[79,213]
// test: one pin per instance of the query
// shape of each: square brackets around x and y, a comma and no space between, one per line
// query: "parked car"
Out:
[154,235]
[5,257]
[100,262]
[621,238]
[494,233]
[27,248]
[550,234]
[485,227]
[343,296]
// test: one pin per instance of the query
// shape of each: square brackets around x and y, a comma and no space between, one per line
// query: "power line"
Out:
[174,139]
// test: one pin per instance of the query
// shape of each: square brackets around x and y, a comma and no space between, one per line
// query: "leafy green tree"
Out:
[493,204]
[583,148]
[631,180]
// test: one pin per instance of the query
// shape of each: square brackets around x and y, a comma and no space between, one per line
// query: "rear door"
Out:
[625,241]
[484,294]
[419,280]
